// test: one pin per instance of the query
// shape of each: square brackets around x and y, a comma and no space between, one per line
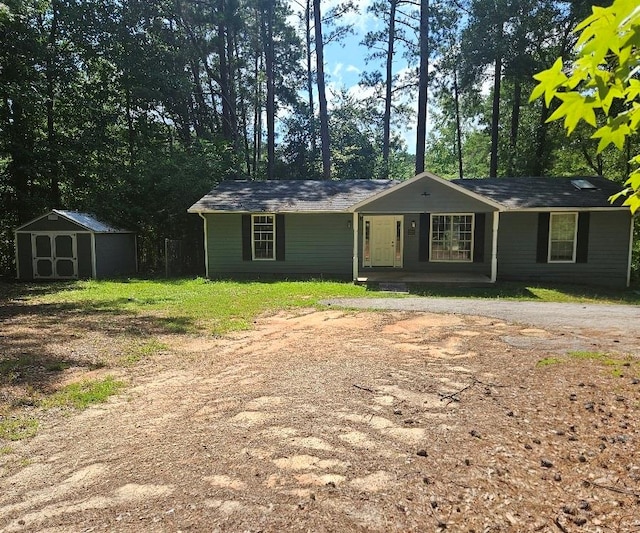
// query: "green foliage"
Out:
[548,361]
[18,428]
[604,82]
[83,394]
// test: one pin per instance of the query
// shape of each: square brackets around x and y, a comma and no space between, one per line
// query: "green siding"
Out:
[25,257]
[315,244]
[115,254]
[607,260]
[439,199]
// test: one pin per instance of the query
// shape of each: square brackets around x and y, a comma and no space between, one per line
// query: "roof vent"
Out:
[583,185]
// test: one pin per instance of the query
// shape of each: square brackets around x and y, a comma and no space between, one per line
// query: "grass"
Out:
[142,351]
[83,394]
[18,428]
[191,305]
[548,361]
[621,366]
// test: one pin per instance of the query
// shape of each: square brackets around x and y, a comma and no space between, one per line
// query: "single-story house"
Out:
[534,229]
[71,245]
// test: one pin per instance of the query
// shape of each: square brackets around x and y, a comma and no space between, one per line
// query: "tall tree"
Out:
[322,95]
[423,85]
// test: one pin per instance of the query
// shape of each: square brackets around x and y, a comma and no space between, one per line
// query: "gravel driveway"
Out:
[597,317]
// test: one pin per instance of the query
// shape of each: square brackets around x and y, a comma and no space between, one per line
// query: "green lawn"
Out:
[222,306]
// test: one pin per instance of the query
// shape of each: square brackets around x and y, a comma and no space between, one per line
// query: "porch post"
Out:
[356,260]
[494,246]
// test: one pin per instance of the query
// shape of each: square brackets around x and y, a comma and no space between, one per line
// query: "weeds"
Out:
[83,394]
[18,428]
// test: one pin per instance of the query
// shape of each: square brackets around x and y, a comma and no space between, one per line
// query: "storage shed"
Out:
[71,245]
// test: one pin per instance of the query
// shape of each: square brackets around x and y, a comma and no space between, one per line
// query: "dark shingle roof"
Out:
[289,195]
[520,193]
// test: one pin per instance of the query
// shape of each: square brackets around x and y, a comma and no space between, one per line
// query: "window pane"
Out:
[562,234]
[452,237]
[263,237]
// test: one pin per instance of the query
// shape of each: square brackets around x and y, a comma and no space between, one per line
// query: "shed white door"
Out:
[55,255]
[383,241]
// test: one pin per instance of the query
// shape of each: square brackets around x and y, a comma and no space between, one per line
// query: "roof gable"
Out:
[429,177]
[288,195]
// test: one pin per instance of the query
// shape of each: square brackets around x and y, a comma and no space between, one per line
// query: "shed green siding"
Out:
[607,257]
[320,244]
[115,254]
[24,256]
[426,196]
[83,242]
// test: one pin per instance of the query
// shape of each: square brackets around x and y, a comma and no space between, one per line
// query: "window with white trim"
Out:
[263,237]
[452,238]
[563,231]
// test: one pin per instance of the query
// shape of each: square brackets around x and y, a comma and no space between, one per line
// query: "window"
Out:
[263,236]
[452,238]
[563,229]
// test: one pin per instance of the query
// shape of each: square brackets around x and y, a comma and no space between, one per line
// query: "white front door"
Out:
[383,241]
[54,255]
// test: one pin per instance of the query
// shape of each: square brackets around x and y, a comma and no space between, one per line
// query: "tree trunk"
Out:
[52,156]
[515,125]
[495,116]
[322,97]
[423,82]
[458,126]
[386,119]
[312,111]
[541,142]
[267,38]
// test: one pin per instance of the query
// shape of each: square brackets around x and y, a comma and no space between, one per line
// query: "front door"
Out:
[54,255]
[383,241]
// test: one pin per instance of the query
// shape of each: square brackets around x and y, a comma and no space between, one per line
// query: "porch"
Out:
[467,279]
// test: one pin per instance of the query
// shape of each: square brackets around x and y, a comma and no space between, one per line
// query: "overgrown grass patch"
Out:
[18,428]
[620,365]
[548,361]
[142,351]
[83,394]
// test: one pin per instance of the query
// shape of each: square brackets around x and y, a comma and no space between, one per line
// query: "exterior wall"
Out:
[115,254]
[411,261]
[320,244]
[83,243]
[439,199]
[607,259]
[25,257]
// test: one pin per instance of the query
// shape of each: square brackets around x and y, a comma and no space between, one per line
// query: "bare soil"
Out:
[323,421]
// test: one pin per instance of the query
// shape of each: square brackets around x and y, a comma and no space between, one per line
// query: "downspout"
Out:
[206,246]
[633,219]
[494,246]
[356,259]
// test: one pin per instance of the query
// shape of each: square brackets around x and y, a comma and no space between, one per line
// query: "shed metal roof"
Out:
[537,192]
[289,195]
[85,220]
[89,221]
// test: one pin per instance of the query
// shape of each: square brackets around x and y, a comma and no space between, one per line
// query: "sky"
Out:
[345,61]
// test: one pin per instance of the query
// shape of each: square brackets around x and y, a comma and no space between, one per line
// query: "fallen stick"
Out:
[364,388]
[612,489]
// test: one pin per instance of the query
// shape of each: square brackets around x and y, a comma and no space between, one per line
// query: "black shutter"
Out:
[246,238]
[582,246]
[425,230]
[478,238]
[543,238]
[280,240]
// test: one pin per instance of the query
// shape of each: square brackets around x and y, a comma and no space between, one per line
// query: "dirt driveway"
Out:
[333,420]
